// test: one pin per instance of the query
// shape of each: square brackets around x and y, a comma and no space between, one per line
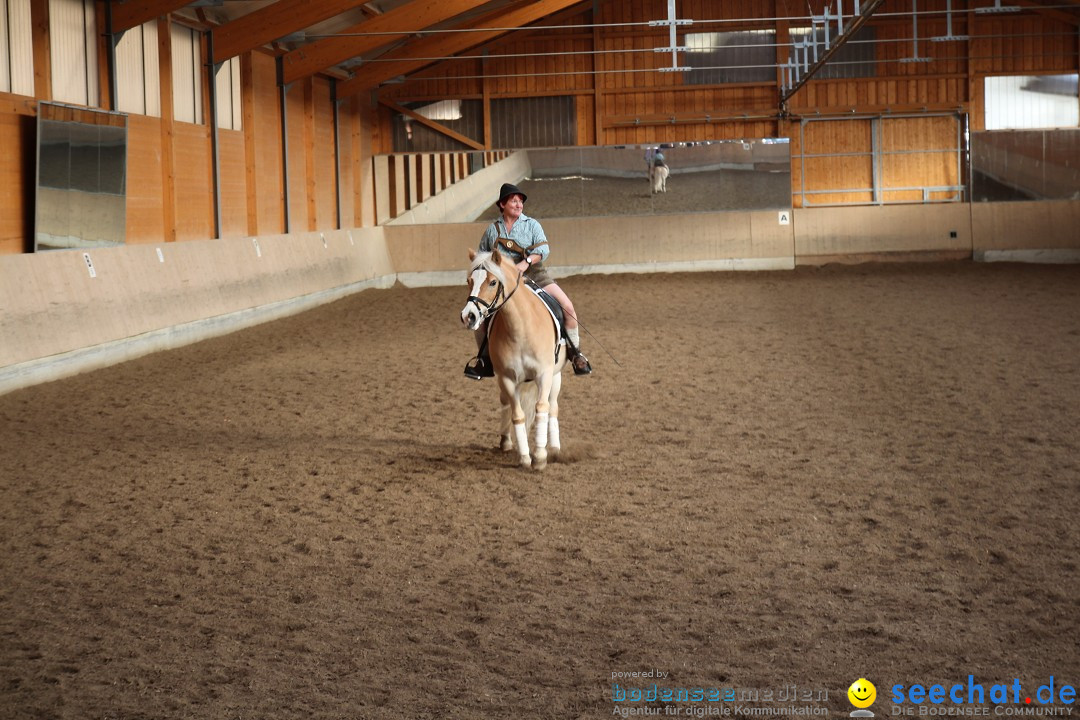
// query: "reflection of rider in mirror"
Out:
[654,157]
[520,237]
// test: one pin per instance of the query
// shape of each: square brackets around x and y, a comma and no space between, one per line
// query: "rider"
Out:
[521,238]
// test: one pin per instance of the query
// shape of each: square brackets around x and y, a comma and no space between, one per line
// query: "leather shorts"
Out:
[539,275]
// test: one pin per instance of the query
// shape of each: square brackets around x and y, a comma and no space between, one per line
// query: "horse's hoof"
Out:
[506,445]
[526,461]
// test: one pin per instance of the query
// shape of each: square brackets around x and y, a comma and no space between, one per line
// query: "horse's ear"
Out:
[472,254]
[496,256]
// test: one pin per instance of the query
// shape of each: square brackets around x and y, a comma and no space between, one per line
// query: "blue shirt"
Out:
[526,233]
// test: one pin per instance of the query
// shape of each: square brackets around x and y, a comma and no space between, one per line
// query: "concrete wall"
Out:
[61,314]
[1044,231]
[902,232]
[57,319]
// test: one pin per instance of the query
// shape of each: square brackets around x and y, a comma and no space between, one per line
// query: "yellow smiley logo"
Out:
[862,693]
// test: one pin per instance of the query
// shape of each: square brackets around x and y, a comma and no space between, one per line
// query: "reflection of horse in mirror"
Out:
[523,342]
[658,177]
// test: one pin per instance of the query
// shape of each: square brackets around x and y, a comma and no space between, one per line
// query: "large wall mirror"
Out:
[701,177]
[81,178]
[1025,165]
[591,182]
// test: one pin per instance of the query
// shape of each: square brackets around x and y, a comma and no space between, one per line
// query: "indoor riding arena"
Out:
[826,463]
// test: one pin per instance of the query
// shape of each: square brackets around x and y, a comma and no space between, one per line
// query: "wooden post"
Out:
[168,174]
[39,29]
[251,177]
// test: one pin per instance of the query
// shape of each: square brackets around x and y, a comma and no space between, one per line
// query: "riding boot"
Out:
[480,366]
[578,361]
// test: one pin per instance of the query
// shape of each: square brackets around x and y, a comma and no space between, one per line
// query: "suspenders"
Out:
[512,246]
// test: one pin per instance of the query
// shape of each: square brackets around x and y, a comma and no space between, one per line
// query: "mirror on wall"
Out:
[591,182]
[81,178]
[1025,165]
[660,179]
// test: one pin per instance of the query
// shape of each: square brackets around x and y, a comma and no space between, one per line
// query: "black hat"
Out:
[508,190]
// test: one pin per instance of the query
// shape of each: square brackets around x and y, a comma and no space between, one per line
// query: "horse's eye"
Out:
[493,283]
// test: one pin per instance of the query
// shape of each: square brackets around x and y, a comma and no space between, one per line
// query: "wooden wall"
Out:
[262,133]
[170,178]
[618,98]
[233,181]
[622,98]
[17,161]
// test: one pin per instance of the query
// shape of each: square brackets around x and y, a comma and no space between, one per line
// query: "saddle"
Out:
[557,314]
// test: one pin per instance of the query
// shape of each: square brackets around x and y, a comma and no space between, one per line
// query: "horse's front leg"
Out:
[508,394]
[543,387]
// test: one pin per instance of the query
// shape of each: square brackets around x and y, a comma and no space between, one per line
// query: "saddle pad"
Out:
[553,307]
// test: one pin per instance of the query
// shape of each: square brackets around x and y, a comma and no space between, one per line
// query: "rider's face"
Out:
[513,206]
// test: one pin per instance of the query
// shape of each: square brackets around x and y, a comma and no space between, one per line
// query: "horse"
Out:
[659,178]
[524,345]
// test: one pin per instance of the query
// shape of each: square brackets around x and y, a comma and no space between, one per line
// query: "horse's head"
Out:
[487,283]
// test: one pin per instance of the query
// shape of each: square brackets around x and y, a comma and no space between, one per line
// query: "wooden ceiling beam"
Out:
[415,55]
[377,31]
[136,12]
[272,22]
[558,18]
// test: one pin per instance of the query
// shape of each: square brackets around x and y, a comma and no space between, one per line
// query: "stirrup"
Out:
[581,365]
[479,368]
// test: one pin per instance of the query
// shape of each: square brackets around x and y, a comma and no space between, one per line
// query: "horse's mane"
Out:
[487,261]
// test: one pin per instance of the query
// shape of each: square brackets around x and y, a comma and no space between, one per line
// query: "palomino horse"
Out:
[659,178]
[524,347]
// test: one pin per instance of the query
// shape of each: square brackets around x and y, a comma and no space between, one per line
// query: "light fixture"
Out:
[997,7]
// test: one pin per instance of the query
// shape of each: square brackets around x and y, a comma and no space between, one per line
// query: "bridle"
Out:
[488,309]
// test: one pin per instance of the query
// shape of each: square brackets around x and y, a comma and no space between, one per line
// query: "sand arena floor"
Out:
[792,478]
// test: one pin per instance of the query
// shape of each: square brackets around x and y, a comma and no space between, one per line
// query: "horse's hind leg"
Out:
[506,441]
[554,445]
